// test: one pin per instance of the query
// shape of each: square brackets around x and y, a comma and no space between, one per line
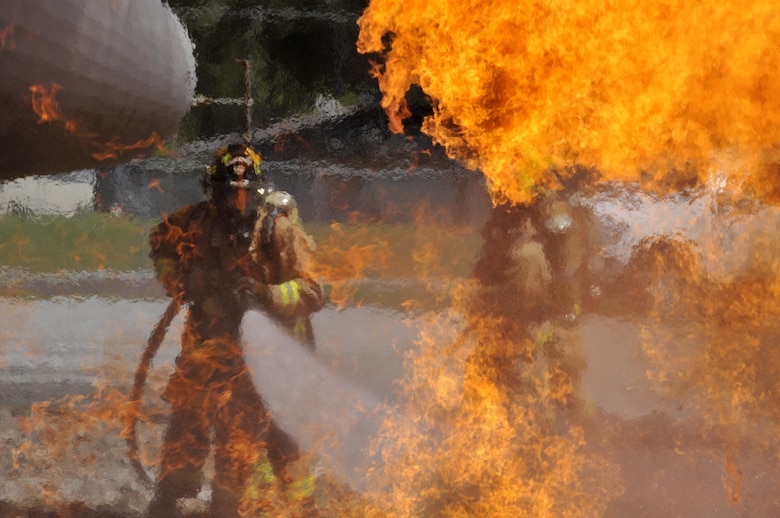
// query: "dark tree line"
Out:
[298,51]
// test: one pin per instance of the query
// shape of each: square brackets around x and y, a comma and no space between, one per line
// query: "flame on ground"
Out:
[486,435]
[713,345]
[64,443]
[642,91]
[491,409]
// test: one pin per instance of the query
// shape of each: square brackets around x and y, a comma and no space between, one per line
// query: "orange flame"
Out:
[423,253]
[7,41]
[666,95]
[348,256]
[476,445]
[45,105]
[114,149]
[637,90]
[710,335]
[155,184]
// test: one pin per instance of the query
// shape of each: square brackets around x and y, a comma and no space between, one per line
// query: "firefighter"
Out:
[536,272]
[243,248]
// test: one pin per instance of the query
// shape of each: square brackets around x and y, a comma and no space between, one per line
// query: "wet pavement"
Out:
[71,342]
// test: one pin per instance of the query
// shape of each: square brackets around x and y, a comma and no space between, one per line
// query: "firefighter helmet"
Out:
[234,180]
[237,165]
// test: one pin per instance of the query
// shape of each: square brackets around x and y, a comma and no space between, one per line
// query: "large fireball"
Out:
[637,90]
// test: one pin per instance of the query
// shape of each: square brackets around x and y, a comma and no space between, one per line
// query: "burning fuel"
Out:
[551,101]
[600,341]
[44,104]
[114,149]
[662,94]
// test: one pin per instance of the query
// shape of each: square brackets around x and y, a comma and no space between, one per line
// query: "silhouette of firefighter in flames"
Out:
[244,248]
[538,270]
[522,412]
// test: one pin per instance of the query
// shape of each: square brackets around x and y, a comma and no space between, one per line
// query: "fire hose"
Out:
[134,404]
[161,328]
[132,417]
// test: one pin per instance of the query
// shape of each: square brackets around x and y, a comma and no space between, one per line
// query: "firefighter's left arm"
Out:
[301,295]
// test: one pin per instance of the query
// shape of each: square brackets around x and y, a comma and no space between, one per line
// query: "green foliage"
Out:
[298,49]
[349,99]
[88,241]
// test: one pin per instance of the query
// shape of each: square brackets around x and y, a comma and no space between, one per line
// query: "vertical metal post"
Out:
[248,101]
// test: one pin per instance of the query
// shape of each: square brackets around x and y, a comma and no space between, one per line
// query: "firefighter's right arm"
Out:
[167,243]
[164,260]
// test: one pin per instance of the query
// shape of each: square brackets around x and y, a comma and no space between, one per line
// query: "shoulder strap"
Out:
[269,222]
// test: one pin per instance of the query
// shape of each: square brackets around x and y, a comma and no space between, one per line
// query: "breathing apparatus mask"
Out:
[235,181]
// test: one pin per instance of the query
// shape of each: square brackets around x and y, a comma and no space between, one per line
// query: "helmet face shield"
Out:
[238,157]
[235,179]
[239,168]
[239,160]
